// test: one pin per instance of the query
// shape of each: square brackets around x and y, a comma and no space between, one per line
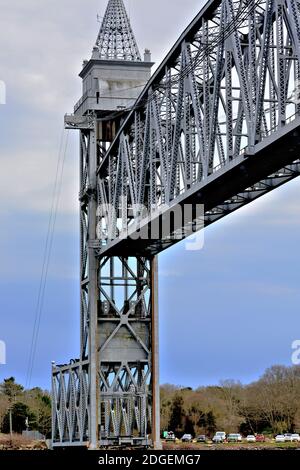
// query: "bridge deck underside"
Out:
[249,177]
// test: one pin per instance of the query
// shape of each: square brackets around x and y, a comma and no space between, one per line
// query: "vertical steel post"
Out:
[155,356]
[93,294]
[81,242]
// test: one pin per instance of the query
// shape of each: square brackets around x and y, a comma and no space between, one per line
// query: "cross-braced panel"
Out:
[125,316]
[70,404]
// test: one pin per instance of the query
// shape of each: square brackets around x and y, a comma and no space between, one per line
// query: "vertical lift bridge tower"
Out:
[217,125]
[110,395]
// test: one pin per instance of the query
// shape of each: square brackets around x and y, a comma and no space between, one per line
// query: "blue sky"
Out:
[227,311]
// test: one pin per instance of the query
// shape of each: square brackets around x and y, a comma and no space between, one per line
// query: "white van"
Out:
[220,436]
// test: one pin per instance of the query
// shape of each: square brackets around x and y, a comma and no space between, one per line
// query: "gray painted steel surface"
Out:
[217,124]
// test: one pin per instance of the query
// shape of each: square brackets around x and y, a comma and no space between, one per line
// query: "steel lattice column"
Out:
[119,327]
[128,351]
[93,291]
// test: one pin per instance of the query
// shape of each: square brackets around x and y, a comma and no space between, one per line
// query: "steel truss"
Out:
[229,84]
[116,40]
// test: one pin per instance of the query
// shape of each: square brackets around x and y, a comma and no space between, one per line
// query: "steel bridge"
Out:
[216,126]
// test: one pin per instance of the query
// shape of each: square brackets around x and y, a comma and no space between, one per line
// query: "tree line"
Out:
[270,405]
[30,409]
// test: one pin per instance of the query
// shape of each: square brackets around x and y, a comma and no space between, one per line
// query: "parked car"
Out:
[288,437]
[201,438]
[187,438]
[251,438]
[170,436]
[219,437]
[234,438]
[260,438]
[280,438]
[295,438]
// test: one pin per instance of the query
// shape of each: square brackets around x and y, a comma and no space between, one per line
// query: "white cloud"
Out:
[27,182]
[45,43]
[269,289]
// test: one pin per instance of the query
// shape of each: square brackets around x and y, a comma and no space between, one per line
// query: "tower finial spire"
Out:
[116,40]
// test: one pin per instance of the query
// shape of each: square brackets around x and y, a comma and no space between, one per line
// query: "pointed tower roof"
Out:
[116,40]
